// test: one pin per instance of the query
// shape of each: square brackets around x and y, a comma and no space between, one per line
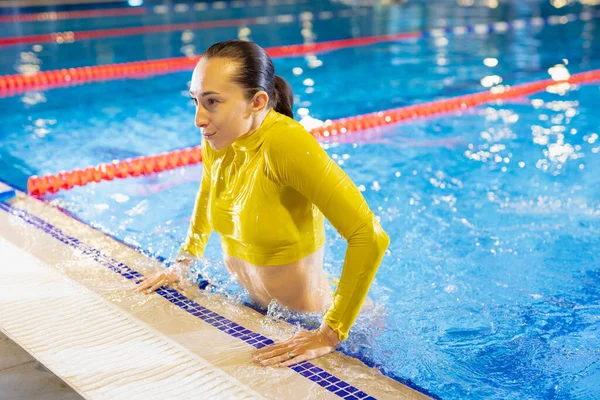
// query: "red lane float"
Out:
[382,118]
[14,84]
[62,15]
[39,186]
[52,183]
[301,49]
[70,36]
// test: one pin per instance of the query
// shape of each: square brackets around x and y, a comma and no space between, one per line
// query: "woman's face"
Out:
[222,112]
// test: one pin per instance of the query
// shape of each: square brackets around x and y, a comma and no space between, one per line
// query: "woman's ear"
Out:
[259,101]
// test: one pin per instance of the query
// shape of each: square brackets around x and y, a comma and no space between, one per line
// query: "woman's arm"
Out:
[296,159]
[199,230]
[198,234]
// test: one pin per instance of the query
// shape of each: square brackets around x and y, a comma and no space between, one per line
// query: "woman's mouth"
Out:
[207,135]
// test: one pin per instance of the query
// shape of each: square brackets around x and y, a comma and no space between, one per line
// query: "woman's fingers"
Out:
[272,348]
[160,282]
[143,285]
[278,358]
[272,351]
[296,360]
[150,284]
[303,346]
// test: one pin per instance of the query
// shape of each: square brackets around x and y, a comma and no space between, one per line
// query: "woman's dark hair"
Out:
[256,72]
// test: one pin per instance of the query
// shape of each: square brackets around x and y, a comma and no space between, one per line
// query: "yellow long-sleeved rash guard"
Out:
[266,195]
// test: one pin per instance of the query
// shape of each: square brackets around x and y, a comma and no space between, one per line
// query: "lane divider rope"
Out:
[62,15]
[160,9]
[146,165]
[11,85]
[73,36]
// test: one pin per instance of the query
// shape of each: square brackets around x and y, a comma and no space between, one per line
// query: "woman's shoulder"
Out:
[287,134]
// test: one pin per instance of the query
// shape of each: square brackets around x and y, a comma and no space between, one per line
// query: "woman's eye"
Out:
[211,102]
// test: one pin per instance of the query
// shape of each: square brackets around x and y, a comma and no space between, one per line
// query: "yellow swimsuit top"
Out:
[266,195]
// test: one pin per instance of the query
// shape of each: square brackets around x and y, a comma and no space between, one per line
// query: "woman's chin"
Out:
[215,144]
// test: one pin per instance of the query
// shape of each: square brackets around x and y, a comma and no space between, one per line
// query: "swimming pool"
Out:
[490,285]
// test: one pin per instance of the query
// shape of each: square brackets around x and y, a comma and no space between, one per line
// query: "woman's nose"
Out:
[201,120]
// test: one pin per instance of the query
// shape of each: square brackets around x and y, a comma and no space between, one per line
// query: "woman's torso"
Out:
[272,236]
[260,220]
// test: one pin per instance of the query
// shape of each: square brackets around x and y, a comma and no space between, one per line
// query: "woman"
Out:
[266,185]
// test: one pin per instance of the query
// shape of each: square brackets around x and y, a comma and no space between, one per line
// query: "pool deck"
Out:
[60,300]
[22,377]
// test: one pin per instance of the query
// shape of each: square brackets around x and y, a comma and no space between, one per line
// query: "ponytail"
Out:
[283,99]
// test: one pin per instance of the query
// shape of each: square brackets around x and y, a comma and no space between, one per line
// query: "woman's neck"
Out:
[257,121]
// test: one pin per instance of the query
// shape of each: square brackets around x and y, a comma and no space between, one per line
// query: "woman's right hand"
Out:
[149,284]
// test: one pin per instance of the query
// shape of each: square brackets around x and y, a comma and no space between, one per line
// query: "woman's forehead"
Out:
[214,75]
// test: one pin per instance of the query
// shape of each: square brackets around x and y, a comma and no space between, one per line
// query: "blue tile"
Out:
[296,368]
[351,397]
[324,375]
[254,336]
[351,389]
[370,398]
[343,384]
[315,378]
[361,395]
[323,383]
[333,379]
[342,393]
[306,373]
[228,329]
[316,370]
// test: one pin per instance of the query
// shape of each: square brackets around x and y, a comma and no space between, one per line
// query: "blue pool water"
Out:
[490,288]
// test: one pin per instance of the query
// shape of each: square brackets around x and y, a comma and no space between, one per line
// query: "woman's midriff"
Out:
[301,286]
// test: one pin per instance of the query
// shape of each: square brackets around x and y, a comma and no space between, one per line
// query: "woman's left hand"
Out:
[303,346]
